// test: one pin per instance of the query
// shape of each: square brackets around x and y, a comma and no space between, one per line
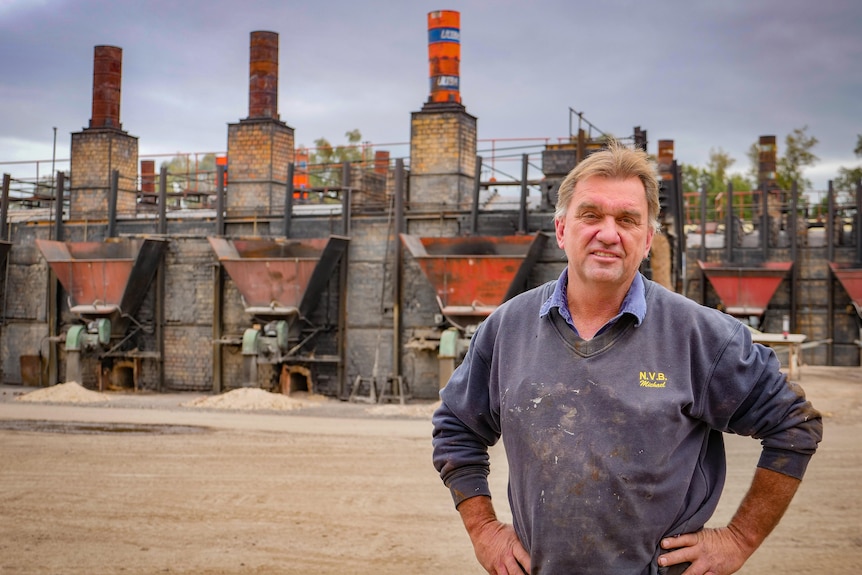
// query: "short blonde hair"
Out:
[615,161]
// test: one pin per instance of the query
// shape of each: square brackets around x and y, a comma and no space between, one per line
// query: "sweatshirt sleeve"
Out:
[771,408]
[465,426]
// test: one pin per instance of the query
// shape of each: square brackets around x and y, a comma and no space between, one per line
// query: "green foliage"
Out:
[326,161]
[797,156]
[714,178]
[845,184]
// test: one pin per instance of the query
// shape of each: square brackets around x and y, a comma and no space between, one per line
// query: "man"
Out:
[611,395]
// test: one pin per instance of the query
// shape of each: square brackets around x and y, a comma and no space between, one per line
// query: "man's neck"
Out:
[593,306]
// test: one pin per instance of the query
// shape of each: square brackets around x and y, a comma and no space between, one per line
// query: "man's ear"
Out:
[559,230]
[650,234]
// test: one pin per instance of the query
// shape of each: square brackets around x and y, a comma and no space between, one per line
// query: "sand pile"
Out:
[253,398]
[425,410]
[69,392]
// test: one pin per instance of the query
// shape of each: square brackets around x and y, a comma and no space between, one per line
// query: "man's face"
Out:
[605,232]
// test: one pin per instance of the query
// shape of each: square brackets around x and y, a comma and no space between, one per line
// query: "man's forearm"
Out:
[476,512]
[762,507]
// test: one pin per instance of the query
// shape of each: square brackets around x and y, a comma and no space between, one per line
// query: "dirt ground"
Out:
[145,483]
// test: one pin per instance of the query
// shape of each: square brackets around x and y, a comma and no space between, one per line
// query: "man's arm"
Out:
[497,547]
[724,550]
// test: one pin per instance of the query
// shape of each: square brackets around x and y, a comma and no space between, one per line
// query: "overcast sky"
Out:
[714,74]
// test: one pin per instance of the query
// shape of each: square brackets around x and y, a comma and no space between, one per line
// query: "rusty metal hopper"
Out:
[104,278]
[745,290]
[4,250]
[279,277]
[473,275]
[850,277]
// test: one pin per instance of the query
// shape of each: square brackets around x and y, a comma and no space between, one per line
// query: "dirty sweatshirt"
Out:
[615,442]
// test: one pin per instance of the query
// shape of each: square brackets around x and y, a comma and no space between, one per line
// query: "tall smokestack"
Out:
[444,55]
[107,77]
[263,76]
[665,159]
[767,161]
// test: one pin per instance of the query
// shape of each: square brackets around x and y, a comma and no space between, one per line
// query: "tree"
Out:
[789,167]
[326,161]
[797,156]
[719,162]
[714,178]
[844,185]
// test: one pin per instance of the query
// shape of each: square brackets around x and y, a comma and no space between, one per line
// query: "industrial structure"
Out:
[369,290]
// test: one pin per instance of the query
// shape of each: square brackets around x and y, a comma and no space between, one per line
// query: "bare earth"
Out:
[173,483]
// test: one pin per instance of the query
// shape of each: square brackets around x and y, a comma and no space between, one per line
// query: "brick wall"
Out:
[442,143]
[258,152]
[96,153]
[188,314]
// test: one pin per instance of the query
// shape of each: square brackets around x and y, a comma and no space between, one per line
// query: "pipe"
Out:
[107,77]
[163,200]
[703,199]
[58,215]
[342,280]
[474,214]
[161,290]
[346,198]
[220,192]
[728,225]
[263,76]
[830,223]
[4,207]
[794,254]
[830,283]
[522,207]
[218,303]
[113,191]
[288,200]
[397,266]
[764,221]
[678,225]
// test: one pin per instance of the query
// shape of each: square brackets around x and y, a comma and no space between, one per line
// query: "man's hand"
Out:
[723,551]
[496,544]
[710,552]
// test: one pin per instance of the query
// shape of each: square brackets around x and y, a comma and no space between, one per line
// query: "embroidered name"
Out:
[652,379]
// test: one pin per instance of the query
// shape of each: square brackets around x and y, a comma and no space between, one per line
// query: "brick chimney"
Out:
[443,134]
[263,76]
[259,147]
[107,77]
[103,147]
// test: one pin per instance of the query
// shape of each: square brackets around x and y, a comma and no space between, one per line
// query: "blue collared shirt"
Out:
[634,303]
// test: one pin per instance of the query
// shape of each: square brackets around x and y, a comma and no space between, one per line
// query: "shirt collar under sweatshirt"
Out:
[634,303]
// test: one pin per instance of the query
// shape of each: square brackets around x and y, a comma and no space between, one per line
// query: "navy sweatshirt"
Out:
[615,442]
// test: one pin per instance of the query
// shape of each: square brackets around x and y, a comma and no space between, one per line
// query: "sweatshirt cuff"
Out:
[789,463]
[468,486]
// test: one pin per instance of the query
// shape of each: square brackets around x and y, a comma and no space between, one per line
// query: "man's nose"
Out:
[608,231]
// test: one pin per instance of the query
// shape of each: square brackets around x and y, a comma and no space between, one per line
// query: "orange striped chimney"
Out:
[263,76]
[107,77]
[444,55]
